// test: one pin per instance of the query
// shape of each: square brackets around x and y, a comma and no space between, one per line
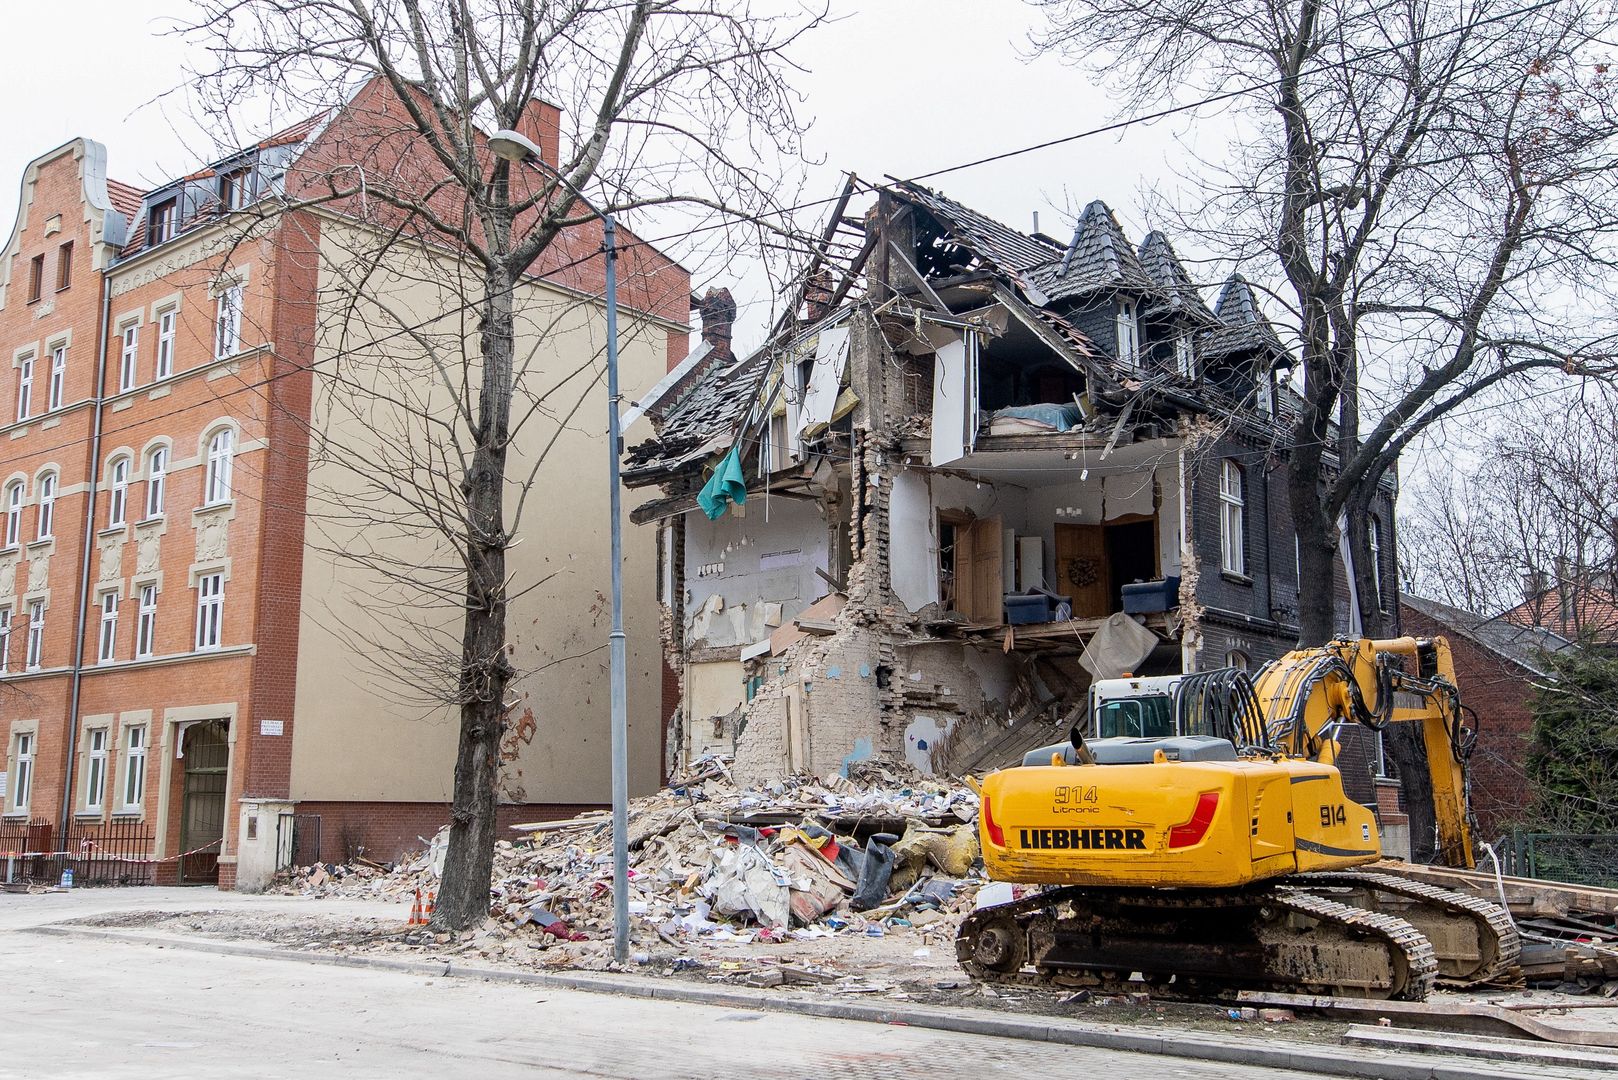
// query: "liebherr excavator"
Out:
[1201,837]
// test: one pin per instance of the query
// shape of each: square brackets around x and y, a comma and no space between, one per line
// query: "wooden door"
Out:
[977,571]
[1082,571]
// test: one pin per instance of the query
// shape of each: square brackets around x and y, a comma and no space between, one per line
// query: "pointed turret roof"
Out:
[1163,266]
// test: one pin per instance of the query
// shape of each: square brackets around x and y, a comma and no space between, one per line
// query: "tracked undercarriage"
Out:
[1333,934]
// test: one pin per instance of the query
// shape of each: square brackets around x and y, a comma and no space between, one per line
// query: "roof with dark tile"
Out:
[1002,245]
[714,404]
[1179,293]
[1099,258]
[1524,646]
[1243,327]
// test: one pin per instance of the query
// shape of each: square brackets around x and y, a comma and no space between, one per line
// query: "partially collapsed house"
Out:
[980,469]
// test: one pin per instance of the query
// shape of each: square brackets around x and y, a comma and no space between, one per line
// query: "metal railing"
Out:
[116,852]
[1577,858]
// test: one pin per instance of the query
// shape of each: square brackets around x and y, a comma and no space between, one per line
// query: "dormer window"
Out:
[1128,334]
[235,189]
[1185,355]
[161,223]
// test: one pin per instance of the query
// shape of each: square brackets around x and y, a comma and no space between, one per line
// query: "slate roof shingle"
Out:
[1522,645]
[1243,327]
[1179,294]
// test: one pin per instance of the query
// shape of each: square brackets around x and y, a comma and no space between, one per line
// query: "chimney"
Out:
[718,311]
[542,122]
[817,295]
[1533,584]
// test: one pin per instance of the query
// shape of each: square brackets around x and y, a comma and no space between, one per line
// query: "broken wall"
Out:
[749,572]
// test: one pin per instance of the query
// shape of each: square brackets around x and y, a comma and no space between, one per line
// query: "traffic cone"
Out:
[416,917]
[427,915]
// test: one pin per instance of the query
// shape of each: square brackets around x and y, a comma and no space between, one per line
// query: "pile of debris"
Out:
[875,851]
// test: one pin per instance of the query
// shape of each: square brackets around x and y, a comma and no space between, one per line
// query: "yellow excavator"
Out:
[1195,830]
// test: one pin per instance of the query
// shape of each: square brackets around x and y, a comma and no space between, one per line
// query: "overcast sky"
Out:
[903,88]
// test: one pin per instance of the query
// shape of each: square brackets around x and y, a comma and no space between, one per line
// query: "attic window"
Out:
[1185,355]
[1128,334]
[160,224]
[235,189]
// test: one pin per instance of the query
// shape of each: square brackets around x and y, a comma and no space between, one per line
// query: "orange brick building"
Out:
[164,609]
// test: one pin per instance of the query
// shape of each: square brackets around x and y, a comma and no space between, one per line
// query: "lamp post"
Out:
[516,147]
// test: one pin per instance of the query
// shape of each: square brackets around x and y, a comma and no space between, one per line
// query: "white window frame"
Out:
[35,655]
[129,358]
[25,387]
[58,381]
[210,610]
[20,790]
[132,771]
[1128,334]
[47,507]
[1185,354]
[157,464]
[1232,519]
[146,622]
[166,321]
[14,501]
[107,639]
[227,336]
[95,769]
[118,492]
[1239,660]
[5,639]
[221,450]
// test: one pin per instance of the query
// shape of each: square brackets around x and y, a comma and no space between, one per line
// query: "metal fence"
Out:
[116,852]
[1577,858]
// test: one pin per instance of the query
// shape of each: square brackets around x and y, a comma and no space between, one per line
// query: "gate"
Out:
[202,810]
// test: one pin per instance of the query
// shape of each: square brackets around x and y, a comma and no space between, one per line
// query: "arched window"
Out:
[118,492]
[47,506]
[157,464]
[1238,660]
[217,488]
[13,513]
[1232,535]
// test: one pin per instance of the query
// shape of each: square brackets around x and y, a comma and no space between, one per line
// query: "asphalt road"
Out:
[80,1007]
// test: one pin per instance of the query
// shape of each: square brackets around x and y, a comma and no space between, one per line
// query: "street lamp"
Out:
[516,147]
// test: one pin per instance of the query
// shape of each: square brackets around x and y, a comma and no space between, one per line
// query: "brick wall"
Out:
[1498,690]
[388,830]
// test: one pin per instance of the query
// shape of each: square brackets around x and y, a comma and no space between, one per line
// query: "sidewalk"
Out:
[134,911]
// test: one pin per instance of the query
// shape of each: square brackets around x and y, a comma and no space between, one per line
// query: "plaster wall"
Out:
[713,690]
[746,574]
[372,649]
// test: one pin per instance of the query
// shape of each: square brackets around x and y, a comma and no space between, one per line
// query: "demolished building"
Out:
[981,469]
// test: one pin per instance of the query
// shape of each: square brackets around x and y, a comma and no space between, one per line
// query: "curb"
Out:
[1332,1061]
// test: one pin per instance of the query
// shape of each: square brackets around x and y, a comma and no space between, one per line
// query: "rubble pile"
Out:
[876,852]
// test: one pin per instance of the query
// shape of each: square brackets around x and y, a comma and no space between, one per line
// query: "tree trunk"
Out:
[463,900]
[1317,542]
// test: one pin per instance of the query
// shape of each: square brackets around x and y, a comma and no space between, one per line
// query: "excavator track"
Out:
[1474,941]
[1197,945]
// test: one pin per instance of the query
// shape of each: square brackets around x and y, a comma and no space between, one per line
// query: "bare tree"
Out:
[1534,517]
[1427,188]
[664,104]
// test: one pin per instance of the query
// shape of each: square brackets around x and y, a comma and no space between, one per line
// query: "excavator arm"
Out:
[1308,696]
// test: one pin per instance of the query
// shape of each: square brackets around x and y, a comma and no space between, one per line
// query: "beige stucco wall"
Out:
[363,729]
